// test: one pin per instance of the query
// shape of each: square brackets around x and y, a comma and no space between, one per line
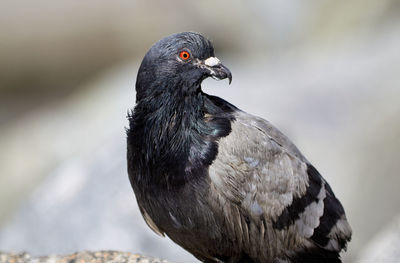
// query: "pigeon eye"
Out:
[184,55]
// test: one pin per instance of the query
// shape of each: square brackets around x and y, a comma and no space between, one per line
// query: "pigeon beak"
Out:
[217,70]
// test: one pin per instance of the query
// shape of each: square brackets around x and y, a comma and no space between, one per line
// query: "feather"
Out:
[225,185]
[269,178]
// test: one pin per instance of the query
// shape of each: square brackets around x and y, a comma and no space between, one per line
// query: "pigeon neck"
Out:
[170,108]
[169,122]
[179,144]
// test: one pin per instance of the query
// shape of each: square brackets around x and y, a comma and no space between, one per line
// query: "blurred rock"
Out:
[375,198]
[80,257]
[49,48]
[383,247]
[33,146]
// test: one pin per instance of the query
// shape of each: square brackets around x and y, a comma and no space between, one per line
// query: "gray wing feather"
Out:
[258,168]
[262,172]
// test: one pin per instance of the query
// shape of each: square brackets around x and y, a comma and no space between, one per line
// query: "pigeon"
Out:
[223,184]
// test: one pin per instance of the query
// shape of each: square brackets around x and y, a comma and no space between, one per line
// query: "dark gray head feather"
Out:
[160,65]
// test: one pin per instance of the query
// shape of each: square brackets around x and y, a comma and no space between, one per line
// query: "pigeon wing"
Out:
[279,193]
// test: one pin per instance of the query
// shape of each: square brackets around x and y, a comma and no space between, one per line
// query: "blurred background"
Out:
[327,73]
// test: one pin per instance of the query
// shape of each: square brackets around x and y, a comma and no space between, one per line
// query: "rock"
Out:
[384,246]
[80,257]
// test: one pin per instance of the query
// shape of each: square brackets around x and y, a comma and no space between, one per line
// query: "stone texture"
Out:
[80,257]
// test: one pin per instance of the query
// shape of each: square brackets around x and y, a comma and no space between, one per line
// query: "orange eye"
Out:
[184,55]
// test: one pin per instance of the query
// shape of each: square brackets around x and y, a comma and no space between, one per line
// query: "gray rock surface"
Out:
[384,247]
[80,257]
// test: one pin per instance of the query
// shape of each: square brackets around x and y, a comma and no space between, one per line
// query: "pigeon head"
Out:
[178,64]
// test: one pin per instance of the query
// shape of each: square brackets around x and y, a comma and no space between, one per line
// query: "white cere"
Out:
[212,61]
